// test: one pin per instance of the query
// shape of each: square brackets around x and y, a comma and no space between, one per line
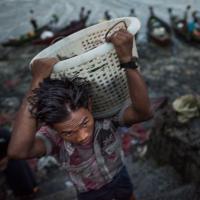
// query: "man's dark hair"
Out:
[54,100]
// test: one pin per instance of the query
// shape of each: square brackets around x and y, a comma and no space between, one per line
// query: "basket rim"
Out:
[91,54]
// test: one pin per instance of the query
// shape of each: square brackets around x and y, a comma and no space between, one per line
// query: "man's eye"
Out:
[85,124]
[67,134]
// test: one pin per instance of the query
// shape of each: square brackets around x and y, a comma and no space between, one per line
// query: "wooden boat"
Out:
[158,30]
[72,28]
[196,16]
[25,38]
[30,36]
[196,21]
[181,28]
[19,41]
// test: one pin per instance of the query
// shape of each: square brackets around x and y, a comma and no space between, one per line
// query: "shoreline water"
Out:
[14,15]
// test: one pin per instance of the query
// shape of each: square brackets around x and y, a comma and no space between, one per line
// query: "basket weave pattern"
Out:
[96,38]
[108,80]
[109,90]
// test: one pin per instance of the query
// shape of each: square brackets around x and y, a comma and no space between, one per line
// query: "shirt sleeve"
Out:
[51,139]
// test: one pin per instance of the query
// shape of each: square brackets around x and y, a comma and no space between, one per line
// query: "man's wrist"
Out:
[131,64]
[36,82]
[126,59]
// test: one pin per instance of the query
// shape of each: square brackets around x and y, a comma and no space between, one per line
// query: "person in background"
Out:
[132,13]
[33,21]
[18,174]
[82,13]
[82,16]
[55,19]
[196,20]
[88,148]
[107,15]
[193,26]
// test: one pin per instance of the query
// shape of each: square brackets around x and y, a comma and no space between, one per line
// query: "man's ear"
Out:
[90,104]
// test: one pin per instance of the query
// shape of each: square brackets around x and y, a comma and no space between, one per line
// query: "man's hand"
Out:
[42,68]
[123,43]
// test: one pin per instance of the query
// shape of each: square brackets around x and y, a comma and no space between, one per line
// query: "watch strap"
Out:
[132,64]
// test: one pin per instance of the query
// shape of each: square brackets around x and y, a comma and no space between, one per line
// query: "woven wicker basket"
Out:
[90,57]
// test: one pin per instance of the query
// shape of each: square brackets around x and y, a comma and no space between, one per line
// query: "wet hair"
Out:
[54,100]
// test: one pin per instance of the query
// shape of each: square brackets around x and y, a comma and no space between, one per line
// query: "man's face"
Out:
[78,128]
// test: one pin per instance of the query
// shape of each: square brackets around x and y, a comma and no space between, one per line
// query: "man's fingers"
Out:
[108,39]
[111,37]
[119,38]
[123,30]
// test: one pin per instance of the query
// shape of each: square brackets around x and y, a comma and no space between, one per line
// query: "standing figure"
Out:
[90,149]
[33,21]
[107,15]
[132,13]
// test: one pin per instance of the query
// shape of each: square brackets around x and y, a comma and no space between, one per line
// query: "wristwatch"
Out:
[132,64]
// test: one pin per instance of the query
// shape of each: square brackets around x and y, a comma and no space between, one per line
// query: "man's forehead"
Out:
[75,120]
[76,117]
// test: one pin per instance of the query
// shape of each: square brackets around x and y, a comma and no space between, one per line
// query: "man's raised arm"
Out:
[140,109]
[23,143]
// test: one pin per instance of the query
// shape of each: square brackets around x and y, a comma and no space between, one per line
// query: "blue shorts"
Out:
[120,188]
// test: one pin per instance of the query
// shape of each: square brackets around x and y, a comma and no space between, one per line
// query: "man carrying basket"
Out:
[89,149]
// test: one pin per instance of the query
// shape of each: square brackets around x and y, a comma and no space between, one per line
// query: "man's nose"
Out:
[82,135]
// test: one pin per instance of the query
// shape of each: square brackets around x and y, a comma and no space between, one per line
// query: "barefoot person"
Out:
[89,148]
